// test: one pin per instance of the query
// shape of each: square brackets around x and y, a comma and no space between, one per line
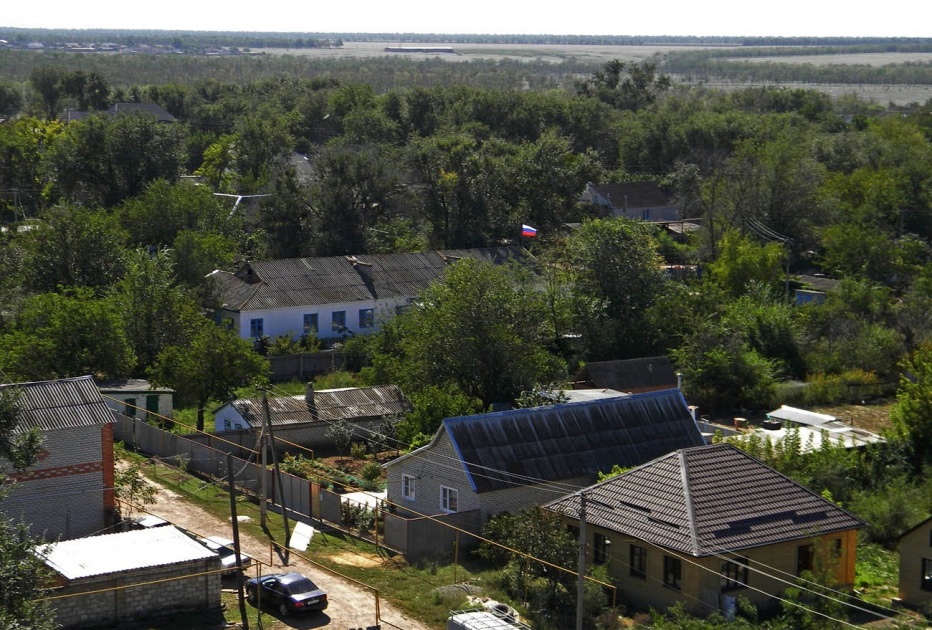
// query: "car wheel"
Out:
[283,609]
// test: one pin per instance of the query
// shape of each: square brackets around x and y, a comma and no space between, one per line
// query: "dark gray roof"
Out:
[148,109]
[635,195]
[571,440]
[353,403]
[295,282]
[706,500]
[631,375]
[61,404]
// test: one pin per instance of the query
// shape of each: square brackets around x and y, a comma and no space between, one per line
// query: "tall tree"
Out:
[73,247]
[156,312]
[483,329]
[616,275]
[912,412]
[58,335]
[209,367]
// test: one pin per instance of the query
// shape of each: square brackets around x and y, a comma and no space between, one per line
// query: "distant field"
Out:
[864,59]
[465,52]
[597,55]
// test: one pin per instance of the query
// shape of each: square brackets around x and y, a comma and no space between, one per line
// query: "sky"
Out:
[823,18]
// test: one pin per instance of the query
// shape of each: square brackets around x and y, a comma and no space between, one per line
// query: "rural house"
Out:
[68,493]
[335,296]
[306,420]
[915,547]
[111,579]
[634,376]
[479,466]
[705,525]
[634,200]
[136,397]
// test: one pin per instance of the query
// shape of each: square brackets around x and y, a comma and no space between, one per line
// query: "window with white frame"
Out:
[407,487]
[449,499]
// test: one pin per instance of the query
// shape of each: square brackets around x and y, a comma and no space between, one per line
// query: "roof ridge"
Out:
[687,498]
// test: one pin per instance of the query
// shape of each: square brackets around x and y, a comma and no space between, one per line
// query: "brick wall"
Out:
[102,600]
[63,494]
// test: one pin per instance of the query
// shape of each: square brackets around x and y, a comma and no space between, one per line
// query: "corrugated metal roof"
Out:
[294,282]
[801,416]
[571,440]
[632,375]
[703,501]
[125,551]
[61,404]
[353,403]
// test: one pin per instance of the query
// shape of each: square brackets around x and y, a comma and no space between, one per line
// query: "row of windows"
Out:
[449,497]
[312,323]
[734,571]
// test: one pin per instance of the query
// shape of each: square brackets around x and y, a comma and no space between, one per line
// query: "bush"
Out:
[851,386]
[371,471]
[358,450]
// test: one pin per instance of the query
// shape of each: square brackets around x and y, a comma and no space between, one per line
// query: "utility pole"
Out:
[278,474]
[263,478]
[239,557]
[581,584]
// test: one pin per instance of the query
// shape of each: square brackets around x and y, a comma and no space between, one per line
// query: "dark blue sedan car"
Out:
[290,592]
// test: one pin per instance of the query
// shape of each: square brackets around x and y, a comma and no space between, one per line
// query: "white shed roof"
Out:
[125,551]
[801,416]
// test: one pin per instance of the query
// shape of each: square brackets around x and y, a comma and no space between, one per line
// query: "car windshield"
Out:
[301,586]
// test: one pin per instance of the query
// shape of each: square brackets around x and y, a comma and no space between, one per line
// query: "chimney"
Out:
[309,399]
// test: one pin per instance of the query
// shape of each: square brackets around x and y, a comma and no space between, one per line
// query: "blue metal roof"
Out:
[571,440]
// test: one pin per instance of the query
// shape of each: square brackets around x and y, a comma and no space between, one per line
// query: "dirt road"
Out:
[351,606]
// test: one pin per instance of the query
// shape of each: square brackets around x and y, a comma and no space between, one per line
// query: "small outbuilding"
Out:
[114,578]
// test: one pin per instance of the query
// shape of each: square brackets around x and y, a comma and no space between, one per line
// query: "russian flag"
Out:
[527,230]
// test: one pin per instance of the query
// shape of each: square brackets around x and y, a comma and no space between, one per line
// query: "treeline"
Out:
[350,170]
[179,40]
[381,73]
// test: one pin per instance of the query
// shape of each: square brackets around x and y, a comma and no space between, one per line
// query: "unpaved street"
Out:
[350,605]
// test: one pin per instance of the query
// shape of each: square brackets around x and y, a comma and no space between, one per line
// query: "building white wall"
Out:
[291,320]
[228,413]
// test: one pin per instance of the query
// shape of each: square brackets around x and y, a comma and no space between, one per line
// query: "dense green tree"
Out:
[232,363]
[47,82]
[912,413]
[742,262]
[73,247]
[156,312]
[11,98]
[22,172]
[481,329]
[616,274]
[104,160]
[536,534]
[721,371]
[58,335]
[625,85]
[163,210]
[356,188]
